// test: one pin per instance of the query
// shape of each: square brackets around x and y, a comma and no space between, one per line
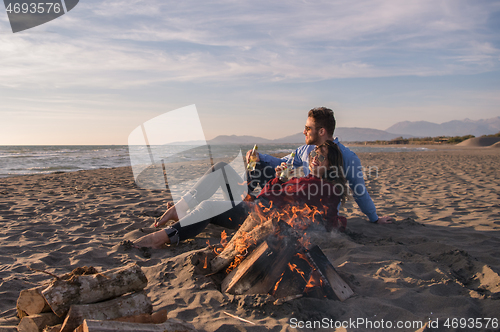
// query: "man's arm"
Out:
[275,162]
[354,174]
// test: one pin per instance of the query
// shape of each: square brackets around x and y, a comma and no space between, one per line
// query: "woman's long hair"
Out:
[335,172]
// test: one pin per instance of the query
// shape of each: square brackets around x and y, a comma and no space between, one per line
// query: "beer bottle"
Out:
[288,169]
[252,162]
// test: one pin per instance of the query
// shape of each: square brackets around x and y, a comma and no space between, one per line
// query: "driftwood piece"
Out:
[31,302]
[154,318]
[340,288]
[61,294]
[255,236]
[170,325]
[36,323]
[123,306]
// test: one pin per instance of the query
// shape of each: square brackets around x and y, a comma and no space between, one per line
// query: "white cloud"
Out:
[126,43]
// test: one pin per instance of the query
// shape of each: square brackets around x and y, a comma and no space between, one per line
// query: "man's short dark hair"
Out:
[324,118]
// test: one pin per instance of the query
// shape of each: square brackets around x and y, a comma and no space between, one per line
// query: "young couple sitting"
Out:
[326,162]
[324,188]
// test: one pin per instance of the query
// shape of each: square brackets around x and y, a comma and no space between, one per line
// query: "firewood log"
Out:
[55,328]
[250,223]
[257,235]
[123,306]
[260,271]
[61,294]
[8,329]
[154,318]
[31,302]
[337,285]
[170,325]
[253,220]
[36,323]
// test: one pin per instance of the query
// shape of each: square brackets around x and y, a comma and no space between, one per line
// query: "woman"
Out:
[324,188]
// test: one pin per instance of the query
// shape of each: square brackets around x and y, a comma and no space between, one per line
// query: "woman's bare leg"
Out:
[154,240]
[172,213]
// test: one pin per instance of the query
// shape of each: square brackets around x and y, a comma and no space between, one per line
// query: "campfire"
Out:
[272,253]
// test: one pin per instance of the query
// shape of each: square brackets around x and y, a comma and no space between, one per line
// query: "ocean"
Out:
[39,159]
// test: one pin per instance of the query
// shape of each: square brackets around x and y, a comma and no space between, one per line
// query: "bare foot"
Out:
[170,214]
[385,220]
[154,240]
[145,251]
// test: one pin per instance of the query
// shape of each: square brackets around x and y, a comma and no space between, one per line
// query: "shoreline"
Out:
[279,155]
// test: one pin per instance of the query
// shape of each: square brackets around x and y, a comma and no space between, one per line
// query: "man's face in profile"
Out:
[310,132]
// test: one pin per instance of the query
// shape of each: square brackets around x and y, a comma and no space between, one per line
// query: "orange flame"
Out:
[223,239]
[237,261]
[305,241]
[293,267]
[277,283]
[299,218]
[314,281]
[241,246]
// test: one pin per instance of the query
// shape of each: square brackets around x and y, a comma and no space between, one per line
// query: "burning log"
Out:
[127,305]
[38,322]
[283,265]
[31,302]
[294,277]
[258,273]
[61,294]
[283,271]
[243,238]
[340,288]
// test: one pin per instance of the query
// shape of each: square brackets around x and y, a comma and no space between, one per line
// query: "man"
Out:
[319,128]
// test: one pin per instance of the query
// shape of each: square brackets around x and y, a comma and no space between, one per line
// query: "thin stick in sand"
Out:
[238,318]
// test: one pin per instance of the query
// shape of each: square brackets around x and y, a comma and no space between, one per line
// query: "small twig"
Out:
[211,274]
[42,271]
[239,318]
[282,300]
[30,283]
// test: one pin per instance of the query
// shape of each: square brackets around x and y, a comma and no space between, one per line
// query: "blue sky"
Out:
[251,68]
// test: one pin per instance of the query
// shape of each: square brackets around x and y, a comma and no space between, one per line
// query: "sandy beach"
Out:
[440,260]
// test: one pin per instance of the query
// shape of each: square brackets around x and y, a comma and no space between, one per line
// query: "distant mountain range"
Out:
[451,128]
[344,134]
[405,129]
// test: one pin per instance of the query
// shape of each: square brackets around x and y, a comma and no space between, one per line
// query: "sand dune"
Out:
[439,260]
[479,141]
[496,145]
